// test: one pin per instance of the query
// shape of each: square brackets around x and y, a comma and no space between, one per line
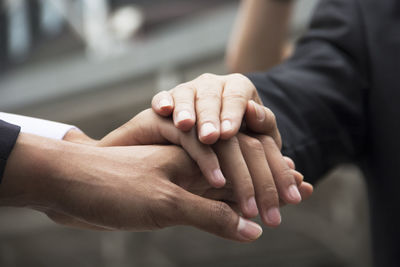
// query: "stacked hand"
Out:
[133,180]
[217,106]
[244,169]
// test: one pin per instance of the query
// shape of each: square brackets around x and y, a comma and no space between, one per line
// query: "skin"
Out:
[258,40]
[116,188]
[249,173]
[217,99]
[139,188]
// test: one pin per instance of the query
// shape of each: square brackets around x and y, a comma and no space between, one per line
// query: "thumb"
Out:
[143,129]
[217,218]
[261,120]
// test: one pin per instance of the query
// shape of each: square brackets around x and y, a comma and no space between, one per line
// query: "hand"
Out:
[219,103]
[115,188]
[216,103]
[243,159]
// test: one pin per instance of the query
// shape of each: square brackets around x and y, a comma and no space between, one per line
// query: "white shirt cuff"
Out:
[44,128]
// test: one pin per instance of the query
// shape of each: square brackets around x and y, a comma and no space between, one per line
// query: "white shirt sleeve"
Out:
[44,128]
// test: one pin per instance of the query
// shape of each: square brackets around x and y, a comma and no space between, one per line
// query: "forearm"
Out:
[28,170]
[259,35]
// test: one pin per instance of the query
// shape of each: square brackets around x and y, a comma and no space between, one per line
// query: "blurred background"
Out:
[95,64]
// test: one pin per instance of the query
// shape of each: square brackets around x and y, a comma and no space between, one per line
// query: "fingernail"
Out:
[207,129]
[272,216]
[218,177]
[164,103]
[252,206]
[226,126]
[294,193]
[260,114]
[183,115]
[249,230]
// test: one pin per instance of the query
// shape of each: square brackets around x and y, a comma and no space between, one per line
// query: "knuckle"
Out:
[269,191]
[235,97]
[182,86]
[239,77]
[206,76]
[255,145]
[285,174]
[206,115]
[223,214]
[208,95]
[222,209]
[246,188]
[168,204]
[266,140]
[182,90]
[243,80]
[183,104]
[234,141]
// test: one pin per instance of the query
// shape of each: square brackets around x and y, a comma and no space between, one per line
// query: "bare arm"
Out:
[259,36]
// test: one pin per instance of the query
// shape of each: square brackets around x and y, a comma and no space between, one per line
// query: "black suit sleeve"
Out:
[8,136]
[318,95]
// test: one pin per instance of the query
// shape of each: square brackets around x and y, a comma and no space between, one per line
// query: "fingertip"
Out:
[162,103]
[271,217]
[293,194]
[184,123]
[248,230]
[249,207]
[306,190]
[228,129]
[208,133]
[217,179]
[165,109]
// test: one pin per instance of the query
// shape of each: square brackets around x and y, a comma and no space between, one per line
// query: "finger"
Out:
[162,103]
[290,162]
[264,185]
[298,177]
[221,194]
[217,218]
[306,190]
[205,158]
[184,113]
[162,131]
[304,187]
[235,168]
[208,107]
[203,155]
[238,90]
[261,120]
[283,175]
[137,131]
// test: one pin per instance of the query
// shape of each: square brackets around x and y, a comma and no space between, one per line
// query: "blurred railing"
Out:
[191,40]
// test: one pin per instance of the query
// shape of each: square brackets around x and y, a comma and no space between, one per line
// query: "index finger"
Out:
[215,217]
[238,90]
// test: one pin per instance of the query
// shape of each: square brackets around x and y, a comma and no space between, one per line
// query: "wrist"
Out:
[27,170]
